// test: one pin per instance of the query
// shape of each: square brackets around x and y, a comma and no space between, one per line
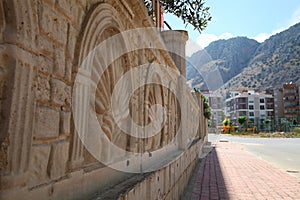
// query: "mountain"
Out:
[229,57]
[245,63]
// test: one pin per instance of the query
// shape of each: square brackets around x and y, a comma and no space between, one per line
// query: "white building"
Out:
[216,102]
[256,106]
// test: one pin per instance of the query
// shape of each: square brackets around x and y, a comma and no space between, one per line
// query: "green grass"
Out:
[296,130]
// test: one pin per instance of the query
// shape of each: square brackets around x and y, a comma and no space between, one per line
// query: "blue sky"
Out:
[257,19]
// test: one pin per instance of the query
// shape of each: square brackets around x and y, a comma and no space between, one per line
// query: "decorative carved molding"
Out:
[127,7]
[103,17]
[20,126]
[2,21]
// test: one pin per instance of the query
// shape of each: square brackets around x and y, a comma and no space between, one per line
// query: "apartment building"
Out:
[291,104]
[256,106]
[216,102]
[278,103]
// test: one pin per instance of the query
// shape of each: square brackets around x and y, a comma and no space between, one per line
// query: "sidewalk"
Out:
[229,172]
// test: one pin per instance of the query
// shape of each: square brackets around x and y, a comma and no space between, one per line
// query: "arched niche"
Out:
[101,23]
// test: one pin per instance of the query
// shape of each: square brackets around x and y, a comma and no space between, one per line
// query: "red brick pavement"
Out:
[229,172]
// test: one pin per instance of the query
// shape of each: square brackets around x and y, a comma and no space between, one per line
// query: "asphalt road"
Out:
[283,153]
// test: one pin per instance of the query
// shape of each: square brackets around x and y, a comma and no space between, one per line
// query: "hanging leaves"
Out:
[192,12]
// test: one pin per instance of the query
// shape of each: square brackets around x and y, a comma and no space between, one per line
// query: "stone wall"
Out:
[43,44]
[169,182]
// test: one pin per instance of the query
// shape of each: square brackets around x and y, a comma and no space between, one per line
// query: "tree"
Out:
[192,12]
[206,108]
[267,122]
[226,124]
[242,120]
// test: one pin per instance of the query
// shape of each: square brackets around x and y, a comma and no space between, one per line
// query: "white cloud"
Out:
[295,18]
[261,37]
[205,39]
[191,47]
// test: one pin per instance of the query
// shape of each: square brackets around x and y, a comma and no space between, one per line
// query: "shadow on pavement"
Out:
[207,181]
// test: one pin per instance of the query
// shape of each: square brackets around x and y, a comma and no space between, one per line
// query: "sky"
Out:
[256,19]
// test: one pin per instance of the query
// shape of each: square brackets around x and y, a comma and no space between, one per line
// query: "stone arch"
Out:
[101,22]
[101,17]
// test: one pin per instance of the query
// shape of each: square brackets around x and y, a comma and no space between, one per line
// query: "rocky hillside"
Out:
[244,63]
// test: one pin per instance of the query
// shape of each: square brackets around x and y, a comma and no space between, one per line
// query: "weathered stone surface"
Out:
[40,112]
[38,165]
[47,123]
[72,36]
[3,155]
[46,49]
[60,92]
[69,68]
[59,62]
[58,160]
[73,12]
[43,88]
[45,64]
[52,25]
[65,121]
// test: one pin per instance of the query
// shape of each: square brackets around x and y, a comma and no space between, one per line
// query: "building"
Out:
[258,107]
[278,103]
[216,102]
[291,102]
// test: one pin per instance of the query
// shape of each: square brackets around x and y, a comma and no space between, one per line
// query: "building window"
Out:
[251,114]
[262,100]
[262,107]
[251,107]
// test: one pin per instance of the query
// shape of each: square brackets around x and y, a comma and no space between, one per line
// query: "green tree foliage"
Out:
[242,120]
[226,121]
[196,90]
[206,108]
[192,12]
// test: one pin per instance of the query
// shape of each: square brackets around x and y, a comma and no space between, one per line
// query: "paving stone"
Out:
[229,172]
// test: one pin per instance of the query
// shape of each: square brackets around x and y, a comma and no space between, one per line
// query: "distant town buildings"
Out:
[216,102]
[277,108]
[291,101]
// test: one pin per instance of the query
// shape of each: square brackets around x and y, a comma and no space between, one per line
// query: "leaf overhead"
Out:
[193,12]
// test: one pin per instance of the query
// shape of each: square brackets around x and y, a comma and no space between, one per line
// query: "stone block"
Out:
[68,72]
[71,10]
[65,120]
[51,3]
[59,62]
[38,165]
[58,160]
[60,92]
[47,123]
[42,88]
[45,64]
[65,5]
[52,25]
[45,47]
[82,3]
[71,43]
